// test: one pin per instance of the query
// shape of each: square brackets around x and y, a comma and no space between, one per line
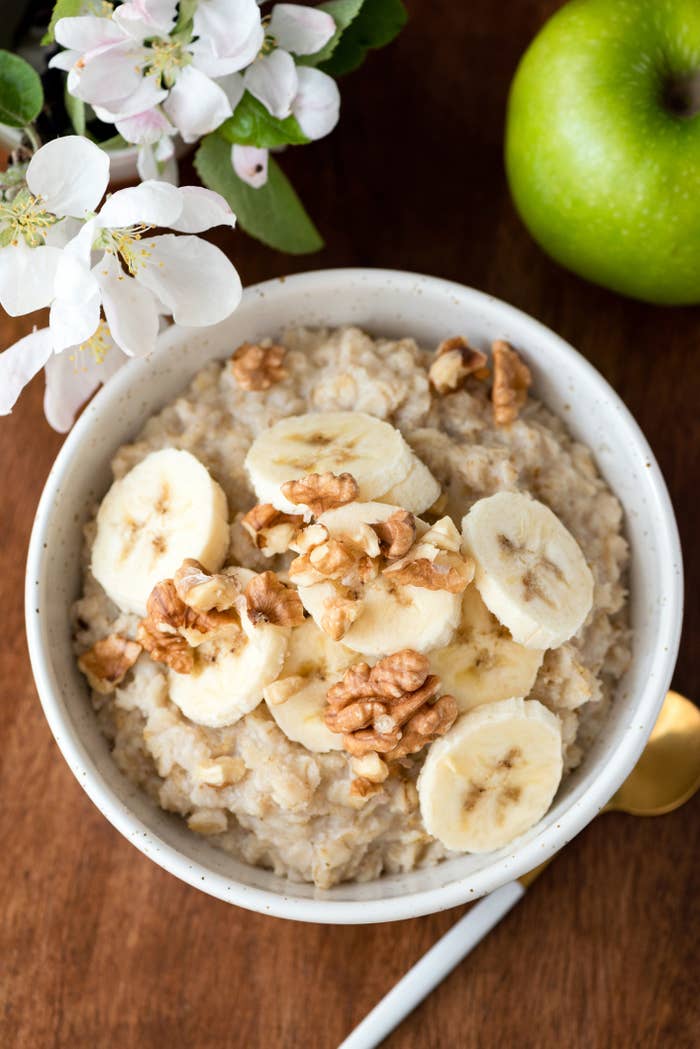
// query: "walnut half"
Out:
[269,601]
[258,367]
[454,361]
[271,529]
[511,381]
[107,663]
[321,492]
[390,709]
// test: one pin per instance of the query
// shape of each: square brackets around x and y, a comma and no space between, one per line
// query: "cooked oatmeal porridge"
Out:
[351,606]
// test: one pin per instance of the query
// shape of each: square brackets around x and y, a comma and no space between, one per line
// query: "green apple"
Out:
[603,144]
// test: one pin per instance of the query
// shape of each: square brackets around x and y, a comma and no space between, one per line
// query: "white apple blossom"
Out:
[105,268]
[151,80]
[283,87]
[71,377]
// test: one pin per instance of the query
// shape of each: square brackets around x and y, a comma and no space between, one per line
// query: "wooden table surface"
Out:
[101,948]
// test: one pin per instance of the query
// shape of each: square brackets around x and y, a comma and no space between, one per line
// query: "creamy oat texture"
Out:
[255,793]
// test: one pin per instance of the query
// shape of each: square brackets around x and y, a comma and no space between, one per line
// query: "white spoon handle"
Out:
[433,967]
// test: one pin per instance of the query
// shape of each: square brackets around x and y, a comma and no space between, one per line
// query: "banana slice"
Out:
[167,508]
[418,490]
[387,615]
[373,451]
[492,777]
[530,570]
[483,664]
[230,673]
[297,700]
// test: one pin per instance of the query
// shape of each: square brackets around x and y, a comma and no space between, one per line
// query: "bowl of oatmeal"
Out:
[357,605]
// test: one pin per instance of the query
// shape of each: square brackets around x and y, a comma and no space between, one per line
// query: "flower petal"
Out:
[272,79]
[27,277]
[87,32]
[144,18]
[20,363]
[70,174]
[75,311]
[152,203]
[72,376]
[317,104]
[196,105]
[303,30]
[62,232]
[202,209]
[150,165]
[233,87]
[230,29]
[64,60]
[130,308]
[250,164]
[109,75]
[146,96]
[145,128]
[193,278]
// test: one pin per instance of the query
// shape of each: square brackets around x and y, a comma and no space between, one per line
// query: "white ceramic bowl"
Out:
[389,303]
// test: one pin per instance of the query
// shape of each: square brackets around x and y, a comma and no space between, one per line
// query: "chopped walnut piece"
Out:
[371,768]
[309,537]
[171,628]
[270,601]
[107,663]
[390,708]
[361,787]
[271,529]
[511,381]
[205,592]
[283,688]
[397,534]
[431,575]
[339,615]
[435,561]
[171,649]
[258,367]
[454,360]
[321,492]
[167,612]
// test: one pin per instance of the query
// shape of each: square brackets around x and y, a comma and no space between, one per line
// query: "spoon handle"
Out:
[433,967]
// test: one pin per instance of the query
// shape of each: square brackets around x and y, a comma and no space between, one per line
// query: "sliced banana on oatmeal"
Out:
[492,777]
[418,490]
[483,664]
[167,508]
[372,450]
[530,571]
[297,699]
[230,672]
[374,613]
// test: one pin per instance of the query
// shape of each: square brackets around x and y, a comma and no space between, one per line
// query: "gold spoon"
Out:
[665,777]
[667,773]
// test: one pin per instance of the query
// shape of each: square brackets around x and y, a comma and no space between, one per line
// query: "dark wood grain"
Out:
[100,948]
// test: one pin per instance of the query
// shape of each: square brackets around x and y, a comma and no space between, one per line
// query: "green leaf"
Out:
[21,93]
[252,125]
[376,25]
[343,13]
[273,214]
[61,9]
[75,108]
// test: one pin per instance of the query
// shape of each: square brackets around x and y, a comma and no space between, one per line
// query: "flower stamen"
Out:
[24,217]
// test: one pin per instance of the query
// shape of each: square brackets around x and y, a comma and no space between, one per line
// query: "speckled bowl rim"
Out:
[523,855]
